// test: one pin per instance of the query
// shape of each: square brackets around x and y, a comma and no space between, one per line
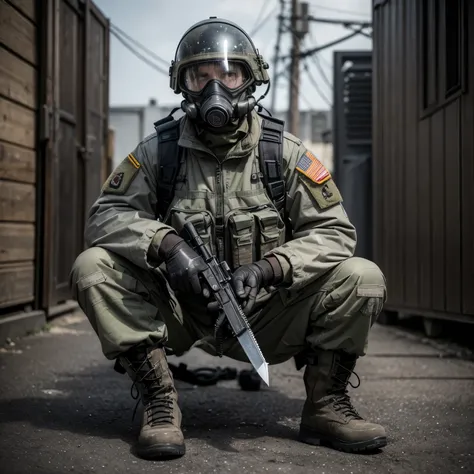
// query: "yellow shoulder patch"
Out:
[134,161]
[121,178]
[312,168]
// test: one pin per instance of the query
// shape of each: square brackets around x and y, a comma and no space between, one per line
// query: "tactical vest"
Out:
[270,158]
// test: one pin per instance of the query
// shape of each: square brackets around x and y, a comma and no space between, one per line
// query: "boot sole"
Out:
[311,437]
[161,451]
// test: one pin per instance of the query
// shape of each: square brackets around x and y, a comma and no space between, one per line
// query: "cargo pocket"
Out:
[271,231]
[128,282]
[202,221]
[241,230]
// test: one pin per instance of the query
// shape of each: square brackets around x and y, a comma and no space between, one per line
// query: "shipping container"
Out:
[54,142]
[423,155]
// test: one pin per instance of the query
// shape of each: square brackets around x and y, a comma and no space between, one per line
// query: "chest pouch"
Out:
[270,231]
[241,238]
[202,221]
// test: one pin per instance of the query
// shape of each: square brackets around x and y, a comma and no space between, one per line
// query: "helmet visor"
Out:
[232,74]
[214,40]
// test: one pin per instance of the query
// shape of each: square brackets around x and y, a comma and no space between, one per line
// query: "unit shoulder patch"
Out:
[121,178]
[326,194]
[312,168]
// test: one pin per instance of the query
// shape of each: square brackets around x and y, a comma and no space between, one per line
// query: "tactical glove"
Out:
[183,264]
[247,280]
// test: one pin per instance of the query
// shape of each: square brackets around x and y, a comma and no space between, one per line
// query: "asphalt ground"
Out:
[64,409]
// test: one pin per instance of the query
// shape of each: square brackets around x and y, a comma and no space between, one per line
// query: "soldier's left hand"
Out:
[248,279]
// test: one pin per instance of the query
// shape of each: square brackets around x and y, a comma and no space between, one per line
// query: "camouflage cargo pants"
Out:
[126,305]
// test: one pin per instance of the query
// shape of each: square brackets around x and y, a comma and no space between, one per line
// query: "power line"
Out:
[260,15]
[276,56]
[139,45]
[140,56]
[312,51]
[363,33]
[311,78]
[337,21]
[316,60]
[325,61]
[265,20]
[337,10]
[316,85]
[305,99]
[325,79]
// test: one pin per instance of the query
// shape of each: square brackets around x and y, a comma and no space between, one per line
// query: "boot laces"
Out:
[343,404]
[159,410]
[341,399]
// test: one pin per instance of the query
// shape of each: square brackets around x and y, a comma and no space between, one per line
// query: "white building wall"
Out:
[127,132]
[133,124]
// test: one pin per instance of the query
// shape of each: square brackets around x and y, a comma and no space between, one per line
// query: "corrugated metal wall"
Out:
[423,154]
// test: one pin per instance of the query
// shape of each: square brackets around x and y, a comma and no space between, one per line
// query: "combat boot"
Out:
[160,434]
[328,415]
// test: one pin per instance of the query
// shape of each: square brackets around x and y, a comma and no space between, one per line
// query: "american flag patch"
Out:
[311,167]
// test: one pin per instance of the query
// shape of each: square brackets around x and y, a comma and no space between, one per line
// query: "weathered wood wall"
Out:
[54,70]
[18,121]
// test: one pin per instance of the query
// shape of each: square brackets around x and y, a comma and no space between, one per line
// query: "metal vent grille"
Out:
[357,92]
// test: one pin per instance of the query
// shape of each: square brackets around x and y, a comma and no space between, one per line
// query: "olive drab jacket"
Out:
[227,202]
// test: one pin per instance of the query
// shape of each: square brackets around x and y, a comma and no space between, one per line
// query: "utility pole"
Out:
[299,27]
[276,58]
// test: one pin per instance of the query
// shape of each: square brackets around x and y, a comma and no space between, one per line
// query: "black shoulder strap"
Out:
[271,159]
[270,154]
[167,132]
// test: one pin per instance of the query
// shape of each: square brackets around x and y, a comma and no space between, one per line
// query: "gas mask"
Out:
[217,69]
[216,106]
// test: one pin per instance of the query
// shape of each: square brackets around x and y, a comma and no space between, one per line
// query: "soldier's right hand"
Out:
[183,264]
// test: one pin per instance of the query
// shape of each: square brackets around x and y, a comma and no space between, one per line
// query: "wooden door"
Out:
[76,107]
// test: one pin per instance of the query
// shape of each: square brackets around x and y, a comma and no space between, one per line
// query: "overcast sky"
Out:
[159,25]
